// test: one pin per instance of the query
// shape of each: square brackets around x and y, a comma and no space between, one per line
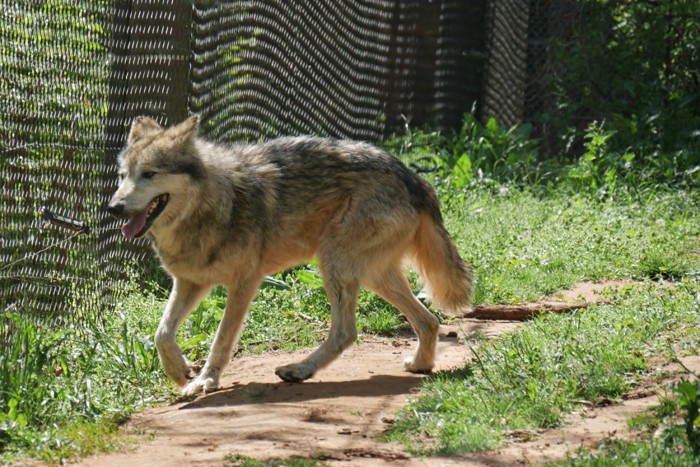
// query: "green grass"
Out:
[524,246]
[667,434]
[532,378]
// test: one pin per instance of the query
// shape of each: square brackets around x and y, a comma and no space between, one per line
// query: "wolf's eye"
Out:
[148,174]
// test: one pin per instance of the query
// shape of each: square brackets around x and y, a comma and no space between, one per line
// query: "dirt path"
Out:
[337,415]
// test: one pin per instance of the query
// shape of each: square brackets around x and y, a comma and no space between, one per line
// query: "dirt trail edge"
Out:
[336,416]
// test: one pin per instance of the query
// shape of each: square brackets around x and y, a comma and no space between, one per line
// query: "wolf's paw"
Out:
[295,373]
[204,382]
[177,367]
[413,365]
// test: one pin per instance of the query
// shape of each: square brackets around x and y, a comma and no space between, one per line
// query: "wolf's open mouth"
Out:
[141,222]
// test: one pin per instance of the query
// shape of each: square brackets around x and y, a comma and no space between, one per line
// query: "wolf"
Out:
[234,214]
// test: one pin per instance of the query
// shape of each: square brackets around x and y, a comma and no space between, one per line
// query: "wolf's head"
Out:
[158,168]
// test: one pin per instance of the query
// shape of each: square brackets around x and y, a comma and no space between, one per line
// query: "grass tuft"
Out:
[239,460]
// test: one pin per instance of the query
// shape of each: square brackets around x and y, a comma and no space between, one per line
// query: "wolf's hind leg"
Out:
[393,287]
[183,298]
[342,293]
[230,327]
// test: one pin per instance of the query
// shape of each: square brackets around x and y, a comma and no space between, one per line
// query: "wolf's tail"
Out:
[448,279]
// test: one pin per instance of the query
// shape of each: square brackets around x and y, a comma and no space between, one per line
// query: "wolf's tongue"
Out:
[135,224]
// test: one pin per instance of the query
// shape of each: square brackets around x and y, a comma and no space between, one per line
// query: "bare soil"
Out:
[336,416]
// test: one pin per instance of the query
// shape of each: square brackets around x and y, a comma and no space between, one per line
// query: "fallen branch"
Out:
[523,312]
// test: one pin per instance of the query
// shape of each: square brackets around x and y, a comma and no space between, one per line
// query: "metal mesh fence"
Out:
[75,73]
[54,87]
[346,69]
[549,24]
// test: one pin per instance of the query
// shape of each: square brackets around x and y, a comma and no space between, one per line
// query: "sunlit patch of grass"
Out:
[524,246]
[83,439]
[533,377]
[375,316]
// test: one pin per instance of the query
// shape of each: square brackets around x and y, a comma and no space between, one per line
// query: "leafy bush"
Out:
[632,64]
[498,157]
[507,154]
[603,171]
[476,153]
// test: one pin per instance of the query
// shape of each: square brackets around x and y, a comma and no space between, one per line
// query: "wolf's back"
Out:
[316,172]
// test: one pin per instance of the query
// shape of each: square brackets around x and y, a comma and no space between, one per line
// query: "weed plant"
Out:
[64,390]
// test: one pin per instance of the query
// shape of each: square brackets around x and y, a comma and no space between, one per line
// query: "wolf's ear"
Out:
[189,126]
[184,132]
[142,126]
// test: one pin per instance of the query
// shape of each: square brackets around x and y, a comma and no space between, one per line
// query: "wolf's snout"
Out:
[116,209]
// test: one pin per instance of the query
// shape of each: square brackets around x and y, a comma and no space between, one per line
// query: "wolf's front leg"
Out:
[227,335]
[183,298]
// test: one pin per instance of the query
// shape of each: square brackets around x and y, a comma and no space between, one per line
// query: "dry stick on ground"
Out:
[523,312]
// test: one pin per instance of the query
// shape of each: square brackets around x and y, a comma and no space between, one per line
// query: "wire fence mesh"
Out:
[54,89]
[75,73]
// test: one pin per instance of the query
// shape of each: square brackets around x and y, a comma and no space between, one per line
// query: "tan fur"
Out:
[236,214]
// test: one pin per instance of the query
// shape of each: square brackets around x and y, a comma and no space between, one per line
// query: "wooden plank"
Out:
[524,312]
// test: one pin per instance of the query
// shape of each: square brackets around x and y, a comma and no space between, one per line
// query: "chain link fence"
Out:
[54,88]
[76,72]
